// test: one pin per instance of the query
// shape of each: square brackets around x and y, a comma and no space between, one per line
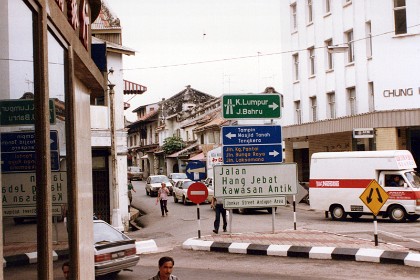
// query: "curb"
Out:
[325,253]
[31,258]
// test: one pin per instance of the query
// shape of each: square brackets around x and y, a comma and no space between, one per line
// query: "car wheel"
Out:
[337,213]
[241,211]
[397,214]
[175,198]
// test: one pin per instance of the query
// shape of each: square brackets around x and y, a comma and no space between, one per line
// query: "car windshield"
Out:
[187,184]
[104,232]
[159,179]
[414,178]
[179,176]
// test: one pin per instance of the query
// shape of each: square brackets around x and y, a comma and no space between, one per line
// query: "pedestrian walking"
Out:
[163,194]
[217,204]
[166,265]
[130,194]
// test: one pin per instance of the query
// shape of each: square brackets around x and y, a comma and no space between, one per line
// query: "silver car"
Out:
[114,251]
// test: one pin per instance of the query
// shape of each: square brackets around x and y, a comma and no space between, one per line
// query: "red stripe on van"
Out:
[339,183]
[403,195]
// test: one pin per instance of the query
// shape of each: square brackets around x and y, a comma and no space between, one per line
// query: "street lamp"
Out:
[116,214]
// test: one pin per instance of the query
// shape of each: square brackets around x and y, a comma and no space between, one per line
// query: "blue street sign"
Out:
[251,135]
[196,170]
[18,151]
[237,154]
[24,141]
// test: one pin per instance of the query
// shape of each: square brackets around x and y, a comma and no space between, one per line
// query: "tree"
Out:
[172,144]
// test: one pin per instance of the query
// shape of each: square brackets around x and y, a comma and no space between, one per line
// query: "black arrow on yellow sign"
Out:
[369,198]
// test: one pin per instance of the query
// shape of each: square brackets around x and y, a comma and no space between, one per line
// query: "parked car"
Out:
[181,190]
[153,184]
[114,251]
[134,173]
[175,177]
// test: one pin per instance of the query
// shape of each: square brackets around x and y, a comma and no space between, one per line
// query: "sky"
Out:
[216,46]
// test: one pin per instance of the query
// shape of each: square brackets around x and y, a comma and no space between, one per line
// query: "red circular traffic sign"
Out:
[197,192]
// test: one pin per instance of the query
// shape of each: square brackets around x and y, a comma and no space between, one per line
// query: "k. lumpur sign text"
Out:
[251,106]
[254,180]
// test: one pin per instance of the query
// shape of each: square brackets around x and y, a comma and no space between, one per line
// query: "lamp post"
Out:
[116,214]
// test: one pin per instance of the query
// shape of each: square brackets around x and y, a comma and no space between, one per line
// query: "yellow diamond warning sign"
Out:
[374,197]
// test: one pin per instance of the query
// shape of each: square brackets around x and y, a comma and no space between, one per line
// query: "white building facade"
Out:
[350,65]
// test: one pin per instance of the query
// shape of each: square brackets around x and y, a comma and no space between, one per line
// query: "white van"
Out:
[337,179]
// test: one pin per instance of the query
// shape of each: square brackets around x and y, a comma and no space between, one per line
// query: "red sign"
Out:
[197,192]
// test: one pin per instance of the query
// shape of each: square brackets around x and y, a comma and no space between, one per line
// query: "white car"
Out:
[175,177]
[154,183]
[114,251]
[181,190]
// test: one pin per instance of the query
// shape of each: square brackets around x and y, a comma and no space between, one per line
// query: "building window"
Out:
[328,55]
[313,108]
[371,97]
[295,67]
[311,52]
[400,17]
[294,23]
[327,6]
[331,105]
[298,114]
[368,39]
[348,36]
[351,94]
[310,11]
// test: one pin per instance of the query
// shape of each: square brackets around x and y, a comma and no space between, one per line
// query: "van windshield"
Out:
[414,178]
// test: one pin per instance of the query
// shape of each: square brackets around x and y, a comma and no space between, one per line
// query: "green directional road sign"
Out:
[251,106]
[21,112]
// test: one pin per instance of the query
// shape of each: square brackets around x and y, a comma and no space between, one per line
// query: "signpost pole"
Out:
[273,215]
[294,212]
[375,230]
[198,219]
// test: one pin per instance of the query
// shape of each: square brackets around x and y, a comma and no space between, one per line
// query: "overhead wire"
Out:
[252,56]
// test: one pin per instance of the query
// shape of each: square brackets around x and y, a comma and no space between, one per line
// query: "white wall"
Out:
[394,63]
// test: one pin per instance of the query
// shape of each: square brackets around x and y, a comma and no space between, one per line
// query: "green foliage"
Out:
[172,144]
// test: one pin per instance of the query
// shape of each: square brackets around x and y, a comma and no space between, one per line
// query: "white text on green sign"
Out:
[251,106]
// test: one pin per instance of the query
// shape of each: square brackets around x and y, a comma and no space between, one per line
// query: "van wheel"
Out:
[396,214]
[337,213]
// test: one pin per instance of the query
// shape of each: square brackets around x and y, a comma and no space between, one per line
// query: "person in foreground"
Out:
[166,265]
[66,269]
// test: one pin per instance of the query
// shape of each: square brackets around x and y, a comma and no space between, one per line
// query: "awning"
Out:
[183,151]
[199,156]
[133,88]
